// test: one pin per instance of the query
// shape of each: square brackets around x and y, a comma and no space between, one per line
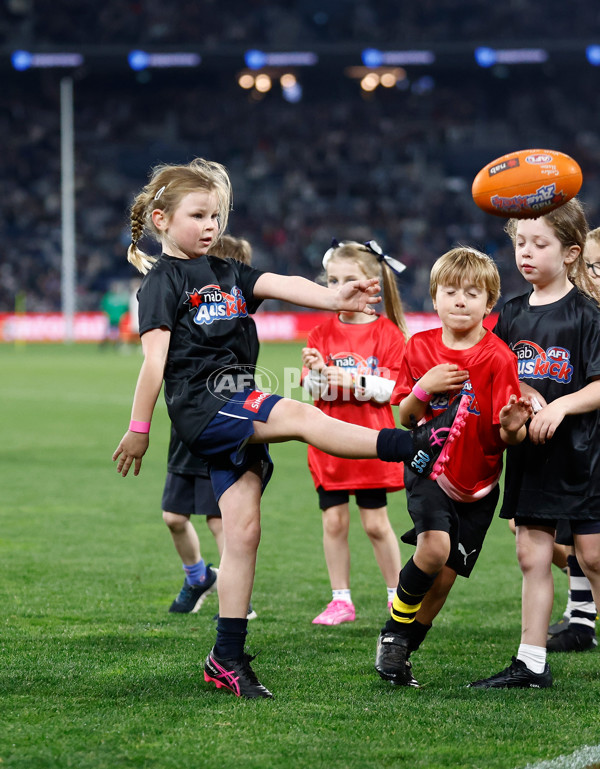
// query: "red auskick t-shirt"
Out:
[476,459]
[374,348]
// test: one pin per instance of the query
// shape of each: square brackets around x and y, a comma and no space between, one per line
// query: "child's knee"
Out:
[433,549]
[589,562]
[335,521]
[243,537]
[376,526]
[176,523]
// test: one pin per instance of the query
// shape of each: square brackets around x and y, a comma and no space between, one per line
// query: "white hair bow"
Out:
[374,248]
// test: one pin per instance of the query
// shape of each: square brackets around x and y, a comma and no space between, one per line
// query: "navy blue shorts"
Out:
[224,443]
[369,499]
[189,495]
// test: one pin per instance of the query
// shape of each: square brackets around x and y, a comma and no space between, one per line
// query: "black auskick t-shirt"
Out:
[205,303]
[558,351]
[180,458]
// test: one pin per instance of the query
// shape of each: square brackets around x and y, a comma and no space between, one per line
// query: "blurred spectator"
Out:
[298,22]
[115,304]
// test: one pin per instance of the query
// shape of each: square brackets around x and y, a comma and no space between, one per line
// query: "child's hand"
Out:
[132,448]
[544,423]
[358,296]
[338,377]
[537,400]
[442,378]
[514,415]
[312,359]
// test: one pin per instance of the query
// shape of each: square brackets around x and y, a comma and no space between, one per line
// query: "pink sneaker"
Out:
[389,605]
[336,613]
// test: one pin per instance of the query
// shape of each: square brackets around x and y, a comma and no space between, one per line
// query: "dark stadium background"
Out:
[393,163]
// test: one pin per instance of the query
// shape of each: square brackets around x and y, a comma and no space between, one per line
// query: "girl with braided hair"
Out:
[193,309]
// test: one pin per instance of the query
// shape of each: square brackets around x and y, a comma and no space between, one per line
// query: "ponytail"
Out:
[392,300]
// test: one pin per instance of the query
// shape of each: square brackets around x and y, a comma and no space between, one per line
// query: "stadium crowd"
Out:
[395,165]
[299,22]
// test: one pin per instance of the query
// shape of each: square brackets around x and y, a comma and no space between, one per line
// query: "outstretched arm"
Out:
[133,445]
[356,296]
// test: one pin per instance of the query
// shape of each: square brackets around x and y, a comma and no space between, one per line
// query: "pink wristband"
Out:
[420,393]
[139,427]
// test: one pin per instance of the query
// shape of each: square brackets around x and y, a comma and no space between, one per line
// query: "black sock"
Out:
[418,631]
[231,636]
[394,445]
[413,584]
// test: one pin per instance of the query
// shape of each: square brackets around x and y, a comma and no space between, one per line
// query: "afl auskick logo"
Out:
[536,363]
[539,200]
[539,159]
[211,303]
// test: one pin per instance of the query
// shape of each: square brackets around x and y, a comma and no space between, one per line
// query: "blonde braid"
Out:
[167,186]
[141,261]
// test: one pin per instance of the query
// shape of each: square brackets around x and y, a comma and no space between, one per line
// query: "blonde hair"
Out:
[571,228]
[593,235]
[167,186]
[374,268]
[464,263]
[233,248]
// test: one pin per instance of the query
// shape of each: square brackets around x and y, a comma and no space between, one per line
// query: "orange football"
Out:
[527,183]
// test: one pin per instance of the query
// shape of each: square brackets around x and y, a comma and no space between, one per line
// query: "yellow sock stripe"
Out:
[404,612]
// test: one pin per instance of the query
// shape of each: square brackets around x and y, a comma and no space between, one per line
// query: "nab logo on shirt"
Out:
[354,363]
[537,363]
[255,400]
[211,303]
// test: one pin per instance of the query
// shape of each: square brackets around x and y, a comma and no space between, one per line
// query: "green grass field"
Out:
[96,673]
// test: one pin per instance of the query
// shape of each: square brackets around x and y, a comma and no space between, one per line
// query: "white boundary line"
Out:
[580,759]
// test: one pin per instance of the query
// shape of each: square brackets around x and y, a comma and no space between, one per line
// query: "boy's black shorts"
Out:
[431,509]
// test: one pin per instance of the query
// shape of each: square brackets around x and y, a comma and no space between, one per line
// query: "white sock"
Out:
[533,656]
[569,606]
[342,595]
[391,593]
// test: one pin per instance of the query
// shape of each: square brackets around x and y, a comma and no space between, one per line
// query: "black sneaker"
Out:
[191,597]
[558,627]
[572,640]
[235,675]
[391,659]
[411,680]
[516,676]
[432,440]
